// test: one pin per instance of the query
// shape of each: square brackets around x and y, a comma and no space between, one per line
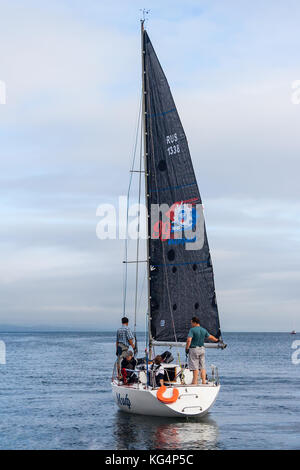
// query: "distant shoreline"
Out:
[13,329]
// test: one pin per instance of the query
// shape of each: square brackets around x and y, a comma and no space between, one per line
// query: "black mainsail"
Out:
[181,280]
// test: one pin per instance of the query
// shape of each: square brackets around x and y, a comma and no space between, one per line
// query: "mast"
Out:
[144,121]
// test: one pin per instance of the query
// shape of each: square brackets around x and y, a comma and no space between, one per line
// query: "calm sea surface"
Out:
[55,394]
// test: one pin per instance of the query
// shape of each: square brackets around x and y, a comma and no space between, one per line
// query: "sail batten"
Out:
[181,281]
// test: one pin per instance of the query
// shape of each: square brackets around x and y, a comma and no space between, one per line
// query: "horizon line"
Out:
[23,329]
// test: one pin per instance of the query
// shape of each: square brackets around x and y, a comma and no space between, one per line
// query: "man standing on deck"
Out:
[196,350]
[124,340]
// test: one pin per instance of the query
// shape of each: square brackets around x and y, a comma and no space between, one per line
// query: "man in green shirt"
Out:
[196,350]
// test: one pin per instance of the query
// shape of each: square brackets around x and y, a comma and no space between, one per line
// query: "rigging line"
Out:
[139,306]
[138,237]
[155,178]
[142,289]
[127,208]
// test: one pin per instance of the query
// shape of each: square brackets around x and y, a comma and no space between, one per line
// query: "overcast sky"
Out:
[72,73]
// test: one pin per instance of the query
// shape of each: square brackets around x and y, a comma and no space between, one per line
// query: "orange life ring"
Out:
[162,390]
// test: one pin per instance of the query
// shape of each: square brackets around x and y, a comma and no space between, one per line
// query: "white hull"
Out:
[193,400]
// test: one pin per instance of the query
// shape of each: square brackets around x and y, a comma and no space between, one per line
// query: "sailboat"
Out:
[179,267]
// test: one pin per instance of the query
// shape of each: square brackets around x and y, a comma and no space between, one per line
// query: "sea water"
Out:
[55,394]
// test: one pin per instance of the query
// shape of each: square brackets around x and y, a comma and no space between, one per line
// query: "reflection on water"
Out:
[147,432]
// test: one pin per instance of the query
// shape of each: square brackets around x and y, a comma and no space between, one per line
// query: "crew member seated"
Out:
[128,366]
[158,371]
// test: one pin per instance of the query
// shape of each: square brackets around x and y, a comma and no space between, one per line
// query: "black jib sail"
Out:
[180,268]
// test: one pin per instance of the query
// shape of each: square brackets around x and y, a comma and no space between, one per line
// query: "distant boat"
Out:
[180,281]
[293,332]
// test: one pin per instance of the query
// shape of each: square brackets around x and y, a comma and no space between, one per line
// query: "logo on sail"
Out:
[183,217]
[180,217]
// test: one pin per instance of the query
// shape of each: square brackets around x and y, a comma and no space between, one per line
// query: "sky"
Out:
[73,81]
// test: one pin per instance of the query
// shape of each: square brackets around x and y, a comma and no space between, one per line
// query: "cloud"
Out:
[67,132]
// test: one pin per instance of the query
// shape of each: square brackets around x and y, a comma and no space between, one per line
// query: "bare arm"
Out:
[212,338]
[188,343]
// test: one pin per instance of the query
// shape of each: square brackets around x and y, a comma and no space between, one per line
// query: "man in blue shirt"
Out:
[195,348]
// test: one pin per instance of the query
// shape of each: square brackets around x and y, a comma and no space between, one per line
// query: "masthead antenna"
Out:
[144,15]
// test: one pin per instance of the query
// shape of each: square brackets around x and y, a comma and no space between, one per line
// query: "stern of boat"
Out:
[192,400]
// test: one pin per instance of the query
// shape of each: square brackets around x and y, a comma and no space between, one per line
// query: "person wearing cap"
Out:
[196,350]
